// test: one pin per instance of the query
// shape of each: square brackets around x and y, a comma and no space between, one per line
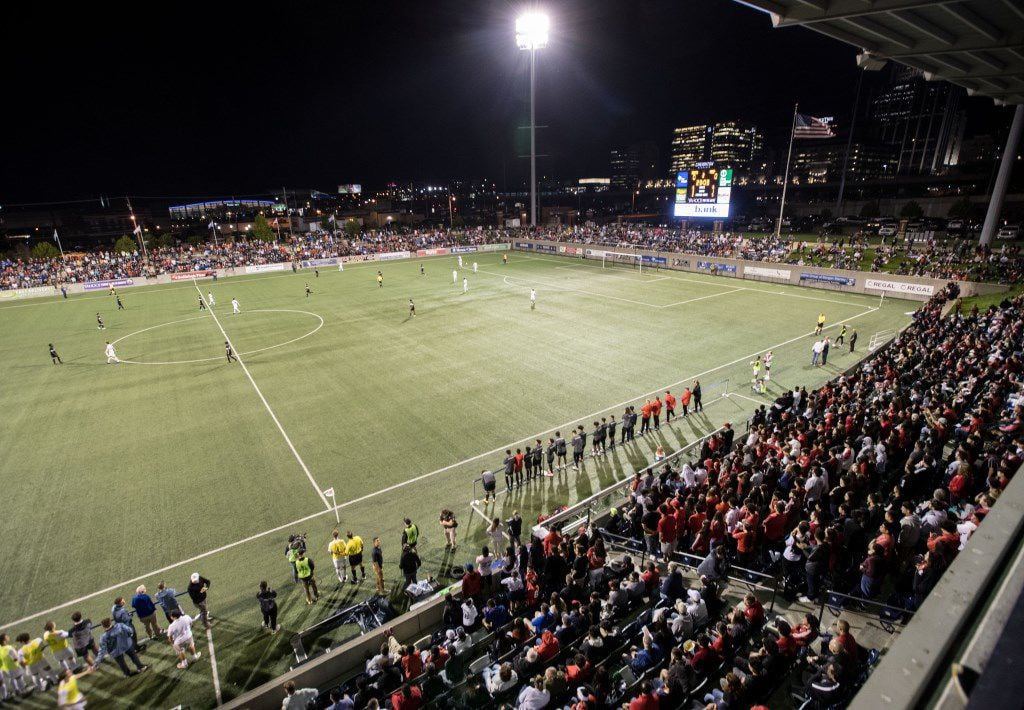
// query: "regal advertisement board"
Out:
[439,251]
[899,287]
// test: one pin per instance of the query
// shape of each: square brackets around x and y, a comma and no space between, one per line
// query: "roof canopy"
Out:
[977,44]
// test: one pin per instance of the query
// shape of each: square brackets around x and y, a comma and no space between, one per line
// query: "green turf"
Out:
[112,472]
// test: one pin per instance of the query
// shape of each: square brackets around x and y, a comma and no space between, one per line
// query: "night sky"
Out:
[202,100]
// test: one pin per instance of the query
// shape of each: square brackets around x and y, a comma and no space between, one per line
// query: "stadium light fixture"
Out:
[532,31]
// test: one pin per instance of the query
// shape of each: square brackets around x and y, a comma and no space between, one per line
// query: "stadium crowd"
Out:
[868,486]
[958,260]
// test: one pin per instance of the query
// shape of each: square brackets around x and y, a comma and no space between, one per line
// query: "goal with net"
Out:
[622,259]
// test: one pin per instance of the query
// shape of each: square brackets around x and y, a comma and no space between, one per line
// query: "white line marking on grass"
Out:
[213,667]
[638,279]
[238,356]
[618,298]
[749,399]
[714,285]
[292,524]
[220,357]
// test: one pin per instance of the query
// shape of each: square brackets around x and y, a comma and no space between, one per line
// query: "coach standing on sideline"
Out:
[698,405]
[197,588]
[377,558]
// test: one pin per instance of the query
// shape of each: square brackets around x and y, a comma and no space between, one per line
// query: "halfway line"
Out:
[238,356]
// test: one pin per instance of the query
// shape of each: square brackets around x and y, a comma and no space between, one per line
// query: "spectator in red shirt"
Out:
[667,532]
[408,697]
[656,412]
[744,544]
[646,700]
[472,582]
[412,664]
[753,611]
[670,406]
[547,647]
[774,526]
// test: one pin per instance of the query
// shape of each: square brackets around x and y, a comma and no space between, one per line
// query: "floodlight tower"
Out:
[532,34]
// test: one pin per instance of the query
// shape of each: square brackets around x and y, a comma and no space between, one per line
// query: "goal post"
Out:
[620,258]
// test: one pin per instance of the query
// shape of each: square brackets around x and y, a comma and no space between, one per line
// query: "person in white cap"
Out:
[111,354]
[180,635]
[197,588]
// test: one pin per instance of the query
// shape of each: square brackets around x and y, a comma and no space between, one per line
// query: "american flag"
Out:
[811,127]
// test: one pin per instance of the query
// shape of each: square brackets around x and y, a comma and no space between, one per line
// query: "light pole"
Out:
[532,34]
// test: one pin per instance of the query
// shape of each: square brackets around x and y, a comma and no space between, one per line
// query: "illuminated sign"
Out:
[352,189]
[704,191]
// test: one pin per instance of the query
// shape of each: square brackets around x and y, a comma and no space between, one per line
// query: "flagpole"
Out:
[785,179]
[57,239]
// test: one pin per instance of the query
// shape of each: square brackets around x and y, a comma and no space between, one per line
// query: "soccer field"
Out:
[176,461]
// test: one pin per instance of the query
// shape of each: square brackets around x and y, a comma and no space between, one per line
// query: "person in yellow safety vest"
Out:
[295,544]
[60,649]
[821,323]
[35,664]
[411,534]
[10,669]
[68,694]
[339,556]
[355,555]
[304,569]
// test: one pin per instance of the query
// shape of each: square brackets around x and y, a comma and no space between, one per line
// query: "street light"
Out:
[532,30]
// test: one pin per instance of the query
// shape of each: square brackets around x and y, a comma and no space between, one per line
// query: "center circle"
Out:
[319,325]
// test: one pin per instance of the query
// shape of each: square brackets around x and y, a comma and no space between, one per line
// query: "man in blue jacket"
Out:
[145,609]
[117,642]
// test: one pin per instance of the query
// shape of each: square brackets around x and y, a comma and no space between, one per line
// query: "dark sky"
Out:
[213,98]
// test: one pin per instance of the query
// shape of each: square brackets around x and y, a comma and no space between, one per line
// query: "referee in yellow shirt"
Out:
[355,555]
[339,556]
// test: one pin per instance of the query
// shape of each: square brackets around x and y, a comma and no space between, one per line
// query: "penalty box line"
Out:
[238,356]
[401,484]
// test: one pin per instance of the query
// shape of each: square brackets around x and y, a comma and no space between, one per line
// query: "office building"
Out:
[730,144]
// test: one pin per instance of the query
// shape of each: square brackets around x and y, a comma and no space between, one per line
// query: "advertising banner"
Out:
[524,245]
[766,272]
[440,251]
[899,287]
[495,247]
[550,248]
[313,263]
[713,266]
[100,285]
[651,259]
[828,279]
[261,267]
[463,250]
[355,258]
[393,255]
[596,253]
[189,275]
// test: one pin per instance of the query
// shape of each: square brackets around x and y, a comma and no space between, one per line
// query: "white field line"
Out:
[220,357]
[238,356]
[617,298]
[749,399]
[213,667]
[637,279]
[374,494]
[714,285]
[556,287]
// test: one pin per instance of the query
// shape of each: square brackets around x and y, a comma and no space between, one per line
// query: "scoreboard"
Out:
[703,191]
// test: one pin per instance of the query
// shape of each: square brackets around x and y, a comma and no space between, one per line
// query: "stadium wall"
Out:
[94,286]
[909,287]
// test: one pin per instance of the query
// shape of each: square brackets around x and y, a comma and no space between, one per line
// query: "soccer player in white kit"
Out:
[768,366]
[465,284]
[474,267]
[234,306]
[533,298]
[209,297]
[460,261]
[111,355]
[180,634]
[341,265]
[455,276]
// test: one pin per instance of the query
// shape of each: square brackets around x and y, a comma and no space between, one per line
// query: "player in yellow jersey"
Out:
[339,556]
[60,649]
[821,324]
[68,694]
[355,555]
[36,665]
[13,675]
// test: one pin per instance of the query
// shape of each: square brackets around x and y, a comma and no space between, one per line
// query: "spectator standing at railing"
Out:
[145,609]
[197,589]
[167,598]
[298,699]
[120,614]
